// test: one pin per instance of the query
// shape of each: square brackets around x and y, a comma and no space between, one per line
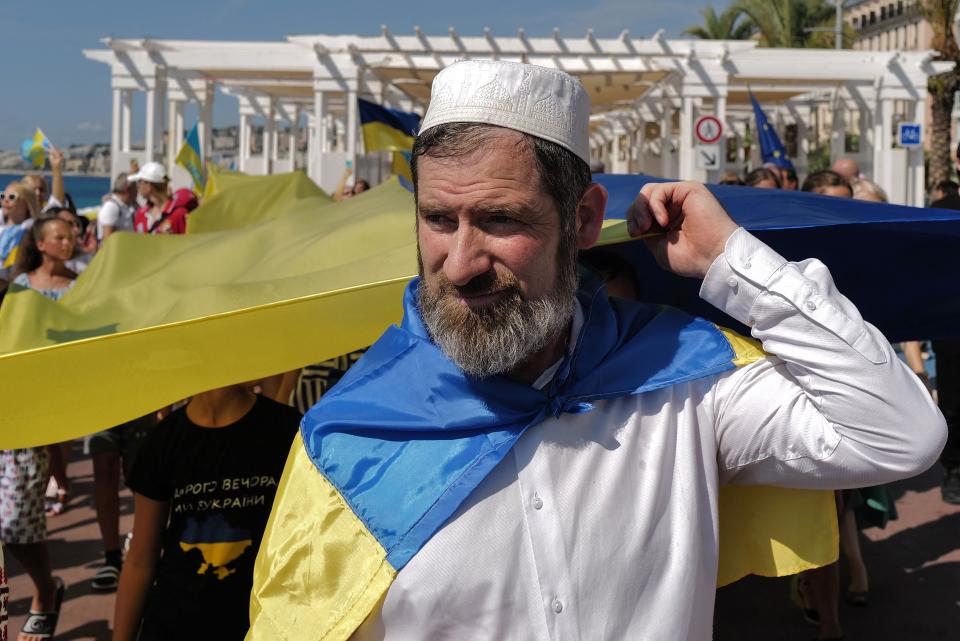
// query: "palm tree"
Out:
[942,87]
[787,23]
[726,26]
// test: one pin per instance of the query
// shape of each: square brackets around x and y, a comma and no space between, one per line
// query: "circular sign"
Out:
[708,129]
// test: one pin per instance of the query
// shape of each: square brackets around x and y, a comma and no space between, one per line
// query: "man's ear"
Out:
[590,215]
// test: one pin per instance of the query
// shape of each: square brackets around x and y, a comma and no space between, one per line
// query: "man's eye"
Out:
[435,220]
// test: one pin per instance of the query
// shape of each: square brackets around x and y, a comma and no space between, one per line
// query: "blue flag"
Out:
[771,149]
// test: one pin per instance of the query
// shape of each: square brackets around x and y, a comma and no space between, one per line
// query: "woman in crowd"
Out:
[40,266]
[42,257]
[165,213]
[762,178]
[86,241]
[19,209]
[204,482]
[118,211]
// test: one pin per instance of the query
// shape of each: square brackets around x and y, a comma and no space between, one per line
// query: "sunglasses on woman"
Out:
[11,197]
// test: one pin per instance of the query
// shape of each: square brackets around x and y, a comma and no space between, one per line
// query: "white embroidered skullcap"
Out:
[543,102]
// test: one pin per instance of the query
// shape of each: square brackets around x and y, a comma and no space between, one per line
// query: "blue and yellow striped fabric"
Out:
[386,129]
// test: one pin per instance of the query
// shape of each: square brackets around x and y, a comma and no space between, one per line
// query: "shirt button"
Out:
[810,305]
[732,282]
[557,606]
[537,502]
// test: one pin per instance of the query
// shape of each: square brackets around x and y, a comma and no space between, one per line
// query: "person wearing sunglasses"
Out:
[19,209]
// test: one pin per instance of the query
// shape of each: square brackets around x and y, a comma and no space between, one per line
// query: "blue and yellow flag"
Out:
[191,158]
[771,149]
[401,165]
[34,150]
[386,129]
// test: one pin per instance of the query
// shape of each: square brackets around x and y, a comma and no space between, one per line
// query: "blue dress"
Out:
[54,294]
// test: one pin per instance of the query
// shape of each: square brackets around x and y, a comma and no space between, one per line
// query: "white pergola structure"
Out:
[646,94]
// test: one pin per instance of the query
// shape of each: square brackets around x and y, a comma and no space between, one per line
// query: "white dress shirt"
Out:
[603,525]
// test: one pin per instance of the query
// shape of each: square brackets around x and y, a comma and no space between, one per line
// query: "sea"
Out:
[86,191]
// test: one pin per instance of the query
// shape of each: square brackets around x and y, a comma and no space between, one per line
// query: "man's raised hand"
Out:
[694,226]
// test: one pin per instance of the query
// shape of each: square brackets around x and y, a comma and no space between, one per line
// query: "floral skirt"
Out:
[23,481]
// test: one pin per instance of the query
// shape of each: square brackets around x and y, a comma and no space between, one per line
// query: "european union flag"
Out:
[386,129]
[191,158]
[771,149]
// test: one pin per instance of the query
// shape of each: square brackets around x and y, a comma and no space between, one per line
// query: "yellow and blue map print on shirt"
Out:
[218,543]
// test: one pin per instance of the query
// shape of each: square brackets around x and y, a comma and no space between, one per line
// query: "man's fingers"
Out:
[638,216]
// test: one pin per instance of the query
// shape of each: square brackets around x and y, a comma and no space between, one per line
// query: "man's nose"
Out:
[467,257]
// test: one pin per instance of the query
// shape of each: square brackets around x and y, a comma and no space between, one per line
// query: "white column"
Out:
[351,107]
[205,130]
[269,132]
[877,139]
[721,115]
[803,143]
[616,165]
[174,133]
[666,156]
[915,161]
[126,114]
[150,132]
[686,140]
[838,133]
[243,149]
[294,135]
[115,134]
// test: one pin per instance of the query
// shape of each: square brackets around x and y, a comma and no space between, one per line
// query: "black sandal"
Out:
[43,624]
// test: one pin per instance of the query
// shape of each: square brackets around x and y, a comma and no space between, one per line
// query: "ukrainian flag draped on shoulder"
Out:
[388,455]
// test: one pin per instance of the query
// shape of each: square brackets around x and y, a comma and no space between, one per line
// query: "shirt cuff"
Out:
[740,274]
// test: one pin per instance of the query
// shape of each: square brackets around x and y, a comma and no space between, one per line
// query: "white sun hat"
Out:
[152,172]
[543,102]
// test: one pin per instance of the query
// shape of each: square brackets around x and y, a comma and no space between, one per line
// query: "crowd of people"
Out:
[204,473]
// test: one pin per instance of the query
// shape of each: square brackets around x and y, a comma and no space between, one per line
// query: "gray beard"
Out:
[496,339]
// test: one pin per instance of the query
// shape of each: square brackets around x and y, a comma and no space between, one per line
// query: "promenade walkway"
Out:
[914,565]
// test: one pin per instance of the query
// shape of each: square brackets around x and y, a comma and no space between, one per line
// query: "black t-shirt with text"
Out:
[220,484]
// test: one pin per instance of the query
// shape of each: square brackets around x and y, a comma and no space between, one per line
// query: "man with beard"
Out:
[526,458]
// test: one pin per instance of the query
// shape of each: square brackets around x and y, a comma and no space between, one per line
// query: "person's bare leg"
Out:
[106,497]
[850,543]
[823,593]
[35,559]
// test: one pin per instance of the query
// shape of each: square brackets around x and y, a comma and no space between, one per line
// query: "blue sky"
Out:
[48,82]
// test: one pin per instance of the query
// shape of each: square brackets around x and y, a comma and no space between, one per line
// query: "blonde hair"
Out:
[25,193]
[863,186]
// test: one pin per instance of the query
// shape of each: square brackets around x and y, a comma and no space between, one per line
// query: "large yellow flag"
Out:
[156,318]
[275,276]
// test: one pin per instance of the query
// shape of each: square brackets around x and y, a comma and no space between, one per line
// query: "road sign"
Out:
[708,156]
[910,134]
[708,129]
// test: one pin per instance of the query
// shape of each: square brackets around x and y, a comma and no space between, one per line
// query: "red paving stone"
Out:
[914,569]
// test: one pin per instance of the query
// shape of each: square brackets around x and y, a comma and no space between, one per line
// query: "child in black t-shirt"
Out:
[203,482]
